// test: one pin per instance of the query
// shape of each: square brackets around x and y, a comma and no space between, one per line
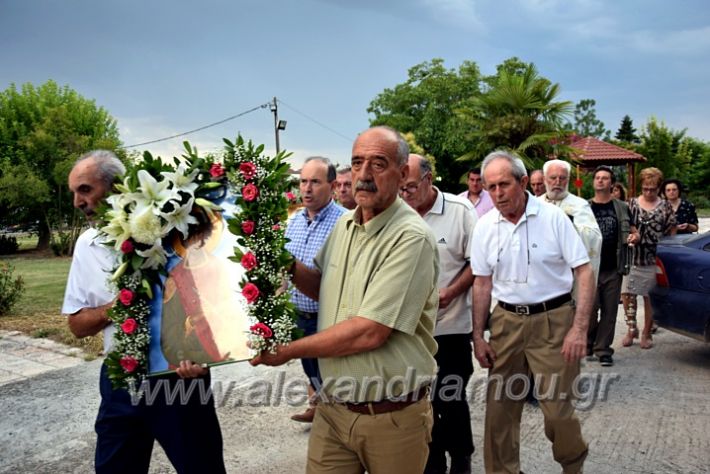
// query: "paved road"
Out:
[653,419]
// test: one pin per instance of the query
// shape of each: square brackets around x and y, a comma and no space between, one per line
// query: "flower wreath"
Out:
[155,201]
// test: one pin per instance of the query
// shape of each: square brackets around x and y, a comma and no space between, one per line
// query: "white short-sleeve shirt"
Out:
[88,282]
[530,261]
[452,220]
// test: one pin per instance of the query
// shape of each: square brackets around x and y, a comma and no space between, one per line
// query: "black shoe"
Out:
[460,465]
[606,361]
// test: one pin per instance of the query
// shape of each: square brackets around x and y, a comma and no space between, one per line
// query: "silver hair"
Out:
[549,163]
[345,169]
[516,163]
[402,146]
[424,164]
[331,167]
[107,163]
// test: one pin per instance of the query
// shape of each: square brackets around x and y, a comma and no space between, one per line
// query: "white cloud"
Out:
[455,12]
[688,42]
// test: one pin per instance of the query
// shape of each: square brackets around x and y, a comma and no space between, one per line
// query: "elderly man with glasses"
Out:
[523,253]
[452,220]
[556,174]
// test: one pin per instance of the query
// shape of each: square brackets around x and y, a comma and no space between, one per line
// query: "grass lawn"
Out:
[703,212]
[38,312]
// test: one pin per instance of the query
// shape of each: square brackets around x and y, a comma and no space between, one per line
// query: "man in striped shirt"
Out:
[307,231]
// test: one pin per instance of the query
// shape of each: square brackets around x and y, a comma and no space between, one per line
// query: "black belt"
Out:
[386,406]
[306,315]
[530,309]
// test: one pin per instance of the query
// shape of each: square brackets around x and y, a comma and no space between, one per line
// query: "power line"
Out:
[262,106]
[316,121]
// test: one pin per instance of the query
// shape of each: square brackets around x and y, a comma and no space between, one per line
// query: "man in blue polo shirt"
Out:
[307,231]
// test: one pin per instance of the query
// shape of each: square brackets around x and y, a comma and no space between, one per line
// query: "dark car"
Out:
[681,298]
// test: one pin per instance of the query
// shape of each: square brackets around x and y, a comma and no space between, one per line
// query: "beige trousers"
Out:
[343,442]
[531,345]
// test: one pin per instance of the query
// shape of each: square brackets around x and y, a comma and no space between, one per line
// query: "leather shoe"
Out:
[306,416]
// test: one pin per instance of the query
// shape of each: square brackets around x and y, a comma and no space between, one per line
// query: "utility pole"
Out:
[278,124]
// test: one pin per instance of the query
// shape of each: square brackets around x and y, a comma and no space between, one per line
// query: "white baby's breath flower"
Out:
[154,256]
[145,226]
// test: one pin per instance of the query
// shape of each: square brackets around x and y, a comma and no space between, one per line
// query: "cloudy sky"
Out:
[162,67]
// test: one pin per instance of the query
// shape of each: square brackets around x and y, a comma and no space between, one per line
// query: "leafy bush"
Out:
[62,243]
[8,244]
[11,288]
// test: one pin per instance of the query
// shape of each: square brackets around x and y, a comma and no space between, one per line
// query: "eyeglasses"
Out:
[649,190]
[412,188]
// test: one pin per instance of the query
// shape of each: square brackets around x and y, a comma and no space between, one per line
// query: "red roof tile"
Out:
[593,149]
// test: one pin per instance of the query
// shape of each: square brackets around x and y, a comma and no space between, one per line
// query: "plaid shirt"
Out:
[307,237]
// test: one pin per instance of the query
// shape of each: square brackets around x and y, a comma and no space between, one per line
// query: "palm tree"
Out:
[518,112]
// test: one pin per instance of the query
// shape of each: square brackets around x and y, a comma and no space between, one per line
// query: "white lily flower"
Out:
[181,181]
[154,256]
[180,218]
[145,226]
[118,228]
[152,193]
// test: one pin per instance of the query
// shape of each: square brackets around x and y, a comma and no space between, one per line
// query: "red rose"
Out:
[275,227]
[248,170]
[250,192]
[261,329]
[126,296]
[127,246]
[216,170]
[248,227]
[248,261]
[250,292]
[129,325]
[290,196]
[129,363]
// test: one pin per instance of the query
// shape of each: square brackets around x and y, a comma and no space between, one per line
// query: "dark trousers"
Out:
[452,419]
[606,305]
[308,322]
[189,432]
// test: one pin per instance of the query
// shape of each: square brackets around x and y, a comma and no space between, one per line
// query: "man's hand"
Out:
[574,346]
[485,355]
[191,370]
[446,296]
[269,358]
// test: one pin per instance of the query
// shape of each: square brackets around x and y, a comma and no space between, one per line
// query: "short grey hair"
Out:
[346,169]
[549,163]
[108,165]
[331,167]
[516,163]
[424,164]
[402,145]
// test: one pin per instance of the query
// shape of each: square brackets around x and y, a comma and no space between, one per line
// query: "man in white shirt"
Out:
[523,253]
[187,430]
[556,174]
[452,220]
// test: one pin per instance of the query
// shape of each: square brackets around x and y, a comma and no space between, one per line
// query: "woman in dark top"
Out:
[685,216]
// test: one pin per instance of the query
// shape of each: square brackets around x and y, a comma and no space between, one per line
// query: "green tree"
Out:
[425,106]
[627,132]
[586,123]
[519,111]
[661,146]
[42,131]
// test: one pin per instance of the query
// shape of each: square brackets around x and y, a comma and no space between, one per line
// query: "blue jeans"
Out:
[309,326]
[188,430]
